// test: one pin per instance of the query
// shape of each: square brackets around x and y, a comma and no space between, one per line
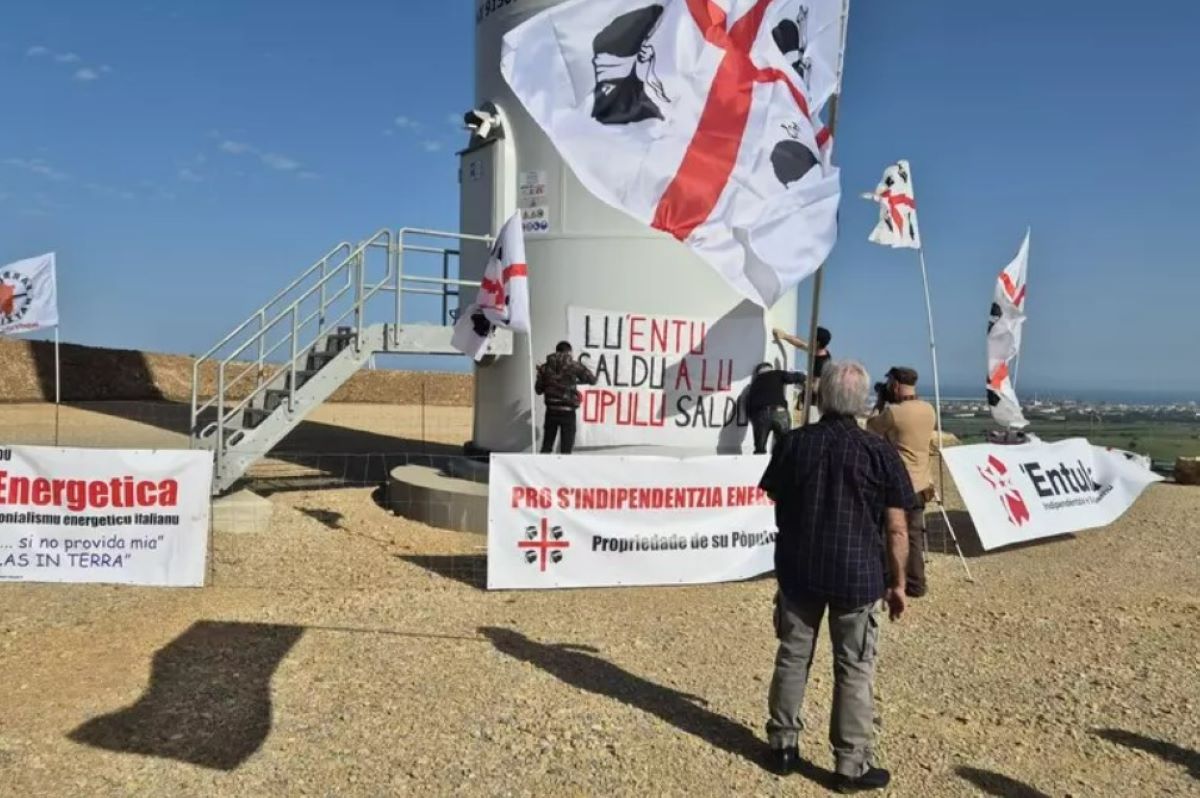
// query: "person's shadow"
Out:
[577,666]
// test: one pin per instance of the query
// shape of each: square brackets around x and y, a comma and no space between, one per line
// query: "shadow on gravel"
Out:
[209,699]
[470,569]
[578,667]
[998,784]
[939,540]
[1167,752]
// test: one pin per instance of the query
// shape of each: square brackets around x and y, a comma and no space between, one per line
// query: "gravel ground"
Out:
[352,653]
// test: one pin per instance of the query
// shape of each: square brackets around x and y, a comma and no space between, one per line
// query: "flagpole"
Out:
[532,396]
[937,385]
[57,385]
[819,277]
[937,398]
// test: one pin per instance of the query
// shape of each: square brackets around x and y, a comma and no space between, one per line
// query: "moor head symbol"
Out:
[628,89]
[791,37]
[791,161]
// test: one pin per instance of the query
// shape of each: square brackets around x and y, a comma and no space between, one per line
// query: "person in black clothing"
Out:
[821,357]
[557,382]
[766,403]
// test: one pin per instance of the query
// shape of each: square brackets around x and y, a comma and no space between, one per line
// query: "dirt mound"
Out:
[91,374]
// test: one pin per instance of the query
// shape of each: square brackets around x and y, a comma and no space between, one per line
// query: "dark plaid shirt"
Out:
[832,483]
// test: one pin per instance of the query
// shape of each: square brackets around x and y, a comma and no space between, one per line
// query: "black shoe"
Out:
[783,761]
[873,779]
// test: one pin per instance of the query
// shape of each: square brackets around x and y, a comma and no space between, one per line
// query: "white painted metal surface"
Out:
[580,251]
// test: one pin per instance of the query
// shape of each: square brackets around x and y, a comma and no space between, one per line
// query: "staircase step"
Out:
[302,376]
[343,338]
[274,398]
[317,360]
[253,416]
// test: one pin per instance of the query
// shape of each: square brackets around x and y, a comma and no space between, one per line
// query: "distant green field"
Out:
[1161,440]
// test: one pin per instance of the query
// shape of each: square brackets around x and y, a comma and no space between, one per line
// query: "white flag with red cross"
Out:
[897,226]
[28,295]
[503,298]
[700,118]
[1004,339]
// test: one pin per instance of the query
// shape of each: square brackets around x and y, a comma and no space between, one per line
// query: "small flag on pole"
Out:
[503,298]
[897,226]
[28,295]
[1004,339]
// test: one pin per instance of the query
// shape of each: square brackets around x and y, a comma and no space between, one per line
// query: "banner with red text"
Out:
[602,521]
[1036,490]
[666,380]
[104,515]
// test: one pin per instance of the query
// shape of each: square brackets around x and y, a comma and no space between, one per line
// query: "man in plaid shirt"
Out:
[840,495]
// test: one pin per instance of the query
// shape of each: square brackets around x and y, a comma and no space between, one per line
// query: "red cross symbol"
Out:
[708,163]
[543,545]
[1017,296]
[497,292]
[895,202]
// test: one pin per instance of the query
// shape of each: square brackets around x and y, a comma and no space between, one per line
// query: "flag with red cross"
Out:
[897,226]
[699,118]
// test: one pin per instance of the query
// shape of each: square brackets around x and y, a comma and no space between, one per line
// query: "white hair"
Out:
[844,388]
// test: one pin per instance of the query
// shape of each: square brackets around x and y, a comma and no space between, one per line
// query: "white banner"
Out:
[596,521]
[104,515]
[28,295]
[665,380]
[1037,490]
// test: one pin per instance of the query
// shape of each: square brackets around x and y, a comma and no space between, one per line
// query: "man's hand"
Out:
[897,602]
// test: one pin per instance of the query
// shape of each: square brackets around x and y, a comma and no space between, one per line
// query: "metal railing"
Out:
[332,280]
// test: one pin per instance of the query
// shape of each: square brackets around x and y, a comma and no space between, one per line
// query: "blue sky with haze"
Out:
[186,159]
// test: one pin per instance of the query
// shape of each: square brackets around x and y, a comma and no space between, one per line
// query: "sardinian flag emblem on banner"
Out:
[700,118]
[897,226]
[503,298]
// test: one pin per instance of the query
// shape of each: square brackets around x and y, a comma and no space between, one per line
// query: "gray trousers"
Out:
[855,637]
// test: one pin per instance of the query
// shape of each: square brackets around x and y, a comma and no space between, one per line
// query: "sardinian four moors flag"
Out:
[897,226]
[28,295]
[1004,339]
[503,298]
[700,118]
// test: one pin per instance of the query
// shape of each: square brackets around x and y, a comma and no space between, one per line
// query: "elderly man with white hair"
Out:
[841,495]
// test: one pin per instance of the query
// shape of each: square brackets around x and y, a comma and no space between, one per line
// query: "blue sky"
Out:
[186,159]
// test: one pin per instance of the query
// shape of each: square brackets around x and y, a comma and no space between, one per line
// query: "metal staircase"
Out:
[295,351]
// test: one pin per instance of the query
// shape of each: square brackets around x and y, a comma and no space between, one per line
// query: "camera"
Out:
[883,394]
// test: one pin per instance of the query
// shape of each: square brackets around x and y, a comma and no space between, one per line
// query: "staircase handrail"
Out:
[260,316]
[355,261]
